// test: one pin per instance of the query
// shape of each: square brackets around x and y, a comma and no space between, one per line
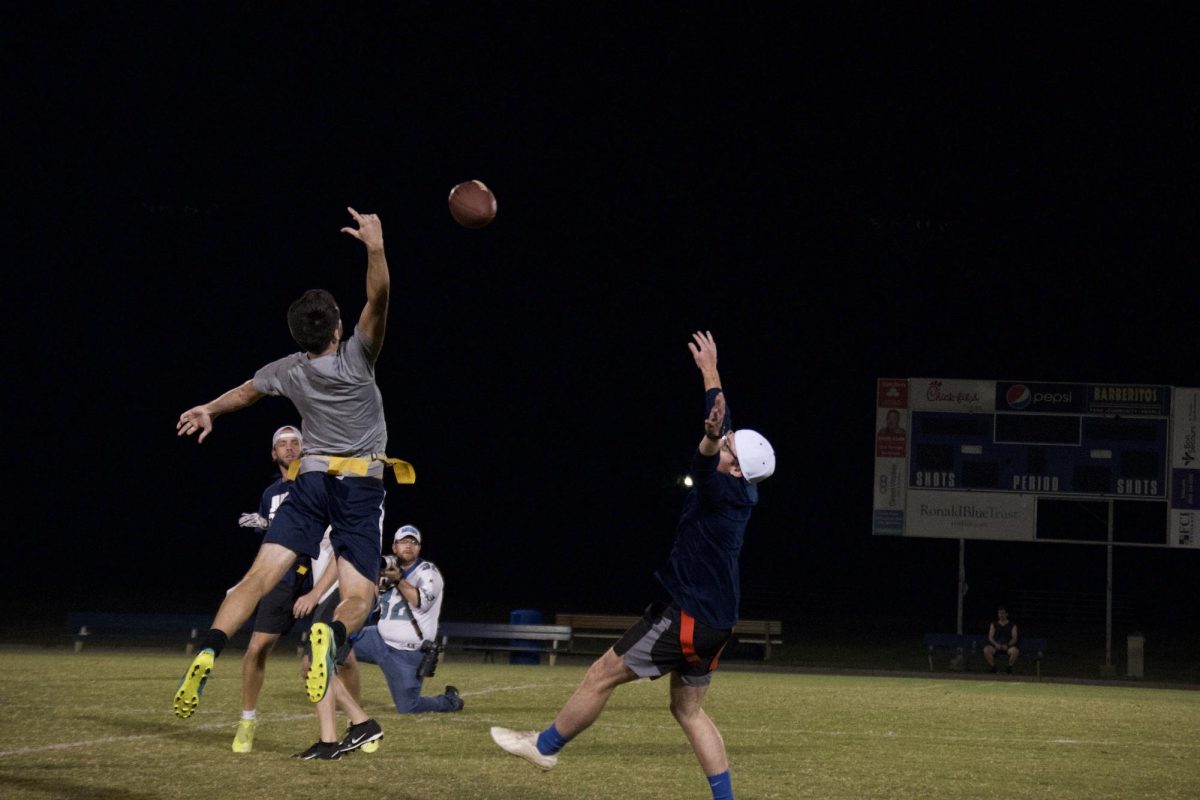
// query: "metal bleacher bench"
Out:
[171,629]
[607,628]
[492,637]
[971,646]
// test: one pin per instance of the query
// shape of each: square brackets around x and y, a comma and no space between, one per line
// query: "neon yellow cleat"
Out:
[243,740]
[320,662]
[187,697]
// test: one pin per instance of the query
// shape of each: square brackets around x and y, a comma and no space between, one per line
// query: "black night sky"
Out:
[838,195]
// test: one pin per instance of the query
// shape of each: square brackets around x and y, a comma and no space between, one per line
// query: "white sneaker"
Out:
[523,744]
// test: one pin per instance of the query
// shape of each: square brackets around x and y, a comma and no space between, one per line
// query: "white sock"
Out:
[248,714]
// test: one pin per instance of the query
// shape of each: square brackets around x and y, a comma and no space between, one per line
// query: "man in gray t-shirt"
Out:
[339,481]
[335,395]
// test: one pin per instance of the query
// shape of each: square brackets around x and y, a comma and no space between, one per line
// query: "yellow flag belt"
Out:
[359,467]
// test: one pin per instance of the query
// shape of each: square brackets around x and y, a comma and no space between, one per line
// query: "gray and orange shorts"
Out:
[668,639]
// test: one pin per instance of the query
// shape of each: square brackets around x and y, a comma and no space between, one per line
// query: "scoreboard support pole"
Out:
[1108,670]
[962,582]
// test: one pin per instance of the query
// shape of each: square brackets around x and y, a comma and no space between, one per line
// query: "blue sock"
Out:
[721,785]
[550,741]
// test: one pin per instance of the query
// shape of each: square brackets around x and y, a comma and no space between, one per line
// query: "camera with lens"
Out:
[429,659]
[387,562]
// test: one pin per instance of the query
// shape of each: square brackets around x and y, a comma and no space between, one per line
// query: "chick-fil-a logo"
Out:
[935,393]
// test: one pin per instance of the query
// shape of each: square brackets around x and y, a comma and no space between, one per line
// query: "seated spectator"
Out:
[1002,638]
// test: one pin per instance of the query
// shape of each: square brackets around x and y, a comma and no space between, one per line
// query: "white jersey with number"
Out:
[395,624]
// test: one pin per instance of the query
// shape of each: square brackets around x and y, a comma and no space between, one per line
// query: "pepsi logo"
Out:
[1018,396]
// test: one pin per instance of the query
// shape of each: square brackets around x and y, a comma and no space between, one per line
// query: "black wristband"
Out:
[711,438]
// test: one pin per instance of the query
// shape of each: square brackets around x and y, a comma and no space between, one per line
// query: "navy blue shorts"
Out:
[353,506]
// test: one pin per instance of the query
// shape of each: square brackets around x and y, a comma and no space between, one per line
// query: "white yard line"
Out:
[228,723]
[887,734]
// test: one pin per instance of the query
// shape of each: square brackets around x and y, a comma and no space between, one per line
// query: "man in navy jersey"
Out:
[338,479]
[684,634]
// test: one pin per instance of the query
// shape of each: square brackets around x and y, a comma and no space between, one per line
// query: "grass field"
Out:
[98,725]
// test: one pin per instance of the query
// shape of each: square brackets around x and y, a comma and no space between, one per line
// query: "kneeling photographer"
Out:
[403,641]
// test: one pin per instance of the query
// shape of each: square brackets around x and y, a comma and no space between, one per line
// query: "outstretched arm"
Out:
[704,353]
[200,418]
[373,320]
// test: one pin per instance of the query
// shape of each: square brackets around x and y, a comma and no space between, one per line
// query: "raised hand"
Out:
[704,350]
[369,231]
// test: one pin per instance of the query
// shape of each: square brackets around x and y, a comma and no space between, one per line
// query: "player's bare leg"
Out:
[606,674]
[363,731]
[707,743]
[686,702]
[272,561]
[348,674]
[270,565]
[351,678]
[254,668]
[541,749]
[327,746]
[339,696]
[358,596]
[327,712]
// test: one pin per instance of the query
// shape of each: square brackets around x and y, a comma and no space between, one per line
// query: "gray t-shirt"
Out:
[341,410]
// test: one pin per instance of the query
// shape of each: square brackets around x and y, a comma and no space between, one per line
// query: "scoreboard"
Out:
[1032,461]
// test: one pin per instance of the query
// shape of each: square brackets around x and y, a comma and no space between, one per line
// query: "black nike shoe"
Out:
[456,702]
[360,734]
[321,751]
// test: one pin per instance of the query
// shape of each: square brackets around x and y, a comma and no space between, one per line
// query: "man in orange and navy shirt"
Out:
[684,635]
